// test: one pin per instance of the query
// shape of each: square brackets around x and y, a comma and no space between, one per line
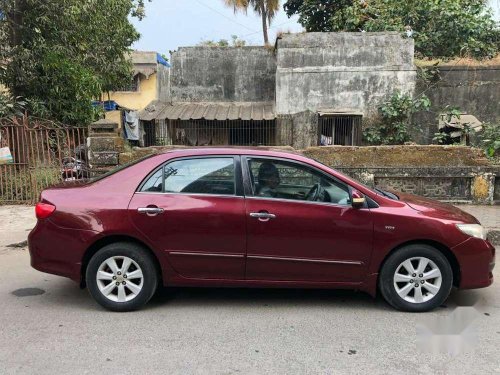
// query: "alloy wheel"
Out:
[119,279]
[417,280]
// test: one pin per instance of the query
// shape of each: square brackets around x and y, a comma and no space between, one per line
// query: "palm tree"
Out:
[267,9]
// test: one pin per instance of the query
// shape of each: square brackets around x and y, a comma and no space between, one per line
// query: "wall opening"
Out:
[339,129]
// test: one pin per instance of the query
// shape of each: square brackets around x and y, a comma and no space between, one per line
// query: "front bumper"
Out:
[476,259]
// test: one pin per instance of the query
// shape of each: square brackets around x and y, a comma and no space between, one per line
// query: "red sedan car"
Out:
[253,218]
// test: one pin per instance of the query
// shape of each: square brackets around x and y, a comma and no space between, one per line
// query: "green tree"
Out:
[445,28]
[266,9]
[66,52]
[316,15]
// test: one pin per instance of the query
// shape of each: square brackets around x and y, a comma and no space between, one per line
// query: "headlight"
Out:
[473,230]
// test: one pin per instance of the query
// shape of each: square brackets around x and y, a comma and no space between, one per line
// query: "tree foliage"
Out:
[316,15]
[267,10]
[66,52]
[444,28]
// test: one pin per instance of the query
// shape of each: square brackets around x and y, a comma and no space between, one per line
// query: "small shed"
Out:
[209,123]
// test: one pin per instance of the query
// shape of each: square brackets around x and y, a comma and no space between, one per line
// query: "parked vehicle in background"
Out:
[253,218]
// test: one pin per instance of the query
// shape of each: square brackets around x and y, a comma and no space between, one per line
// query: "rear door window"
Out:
[214,175]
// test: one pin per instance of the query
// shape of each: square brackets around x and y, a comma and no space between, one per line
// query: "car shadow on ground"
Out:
[333,298]
[67,293]
[264,297]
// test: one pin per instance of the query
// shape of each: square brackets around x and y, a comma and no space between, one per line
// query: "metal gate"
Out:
[339,129]
[38,148]
[210,133]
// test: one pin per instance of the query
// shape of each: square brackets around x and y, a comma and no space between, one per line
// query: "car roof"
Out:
[236,150]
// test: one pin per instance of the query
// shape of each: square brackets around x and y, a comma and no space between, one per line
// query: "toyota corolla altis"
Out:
[253,218]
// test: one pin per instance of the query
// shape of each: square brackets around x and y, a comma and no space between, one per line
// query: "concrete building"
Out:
[150,81]
[311,89]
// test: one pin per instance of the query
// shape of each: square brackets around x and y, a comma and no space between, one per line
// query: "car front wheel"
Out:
[416,278]
[122,277]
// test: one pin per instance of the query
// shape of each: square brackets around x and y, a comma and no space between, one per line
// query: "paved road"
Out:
[223,331]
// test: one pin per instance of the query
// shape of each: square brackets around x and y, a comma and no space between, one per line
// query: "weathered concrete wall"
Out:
[299,130]
[341,71]
[211,74]
[474,89]
[163,83]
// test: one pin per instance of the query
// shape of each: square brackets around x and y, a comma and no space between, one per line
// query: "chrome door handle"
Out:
[150,211]
[262,215]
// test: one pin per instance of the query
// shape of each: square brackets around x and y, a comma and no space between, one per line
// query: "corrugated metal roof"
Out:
[256,111]
[152,110]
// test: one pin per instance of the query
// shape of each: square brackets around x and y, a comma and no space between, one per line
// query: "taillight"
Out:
[44,210]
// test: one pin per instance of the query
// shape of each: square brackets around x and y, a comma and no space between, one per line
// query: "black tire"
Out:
[391,265]
[141,257]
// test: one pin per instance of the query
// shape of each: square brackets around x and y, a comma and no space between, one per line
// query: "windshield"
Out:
[376,190]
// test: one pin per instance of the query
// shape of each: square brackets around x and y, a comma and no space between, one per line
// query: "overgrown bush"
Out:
[490,139]
[395,119]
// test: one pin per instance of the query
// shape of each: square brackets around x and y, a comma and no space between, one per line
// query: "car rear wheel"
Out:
[416,278]
[122,277]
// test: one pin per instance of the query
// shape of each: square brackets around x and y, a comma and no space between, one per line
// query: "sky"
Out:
[170,24]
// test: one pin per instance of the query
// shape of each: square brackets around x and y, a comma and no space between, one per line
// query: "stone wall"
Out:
[476,185]
[341,71]
[475,89]
[398,156]
[213,74]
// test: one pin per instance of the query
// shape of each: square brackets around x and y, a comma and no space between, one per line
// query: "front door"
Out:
[193,211]
[301,225]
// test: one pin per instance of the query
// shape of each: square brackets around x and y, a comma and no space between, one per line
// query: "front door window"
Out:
[272,178]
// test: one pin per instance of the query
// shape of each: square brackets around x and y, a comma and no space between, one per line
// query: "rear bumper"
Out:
[476,258]
[57,250]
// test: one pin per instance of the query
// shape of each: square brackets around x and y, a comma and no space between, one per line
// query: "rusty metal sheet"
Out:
[222,112]
[152,110]
[187,112]
[269,112]
[199,112]
[210,112]
[233,113]
[246,111]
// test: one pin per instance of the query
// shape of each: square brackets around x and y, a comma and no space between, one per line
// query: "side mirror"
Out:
[358,199]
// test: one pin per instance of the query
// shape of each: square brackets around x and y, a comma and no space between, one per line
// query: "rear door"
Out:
[192,209]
